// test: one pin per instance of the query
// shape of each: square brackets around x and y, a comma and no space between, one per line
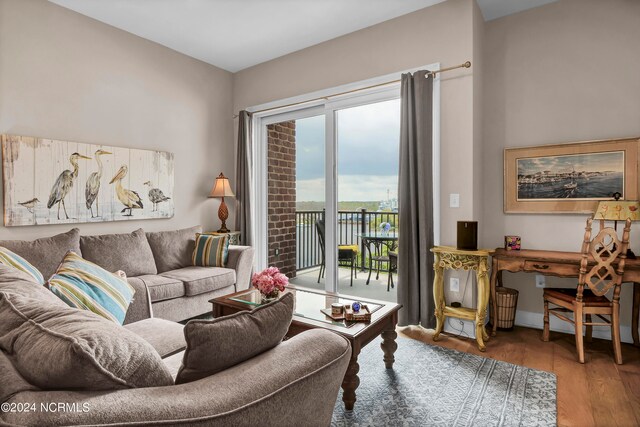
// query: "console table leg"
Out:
[483,300]
[494,303]
[636,313]
[438,296]
[351,381]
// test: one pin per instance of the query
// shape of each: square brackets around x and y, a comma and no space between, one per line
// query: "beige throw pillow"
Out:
[218,344]
[63,348]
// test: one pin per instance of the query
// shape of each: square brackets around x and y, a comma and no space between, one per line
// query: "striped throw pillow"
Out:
[211,250]
[14,260]
[87,286]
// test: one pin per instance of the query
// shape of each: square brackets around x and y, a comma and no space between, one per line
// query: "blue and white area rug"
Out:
[436,386]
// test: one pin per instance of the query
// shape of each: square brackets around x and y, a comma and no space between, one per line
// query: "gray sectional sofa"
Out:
[157,263]
[294,383]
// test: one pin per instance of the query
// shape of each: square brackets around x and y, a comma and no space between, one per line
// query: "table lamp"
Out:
[618,210]
[222,189]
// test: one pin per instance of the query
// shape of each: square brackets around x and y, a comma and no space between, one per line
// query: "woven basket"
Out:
[507,301]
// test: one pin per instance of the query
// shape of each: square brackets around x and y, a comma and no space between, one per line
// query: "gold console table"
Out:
[447,257]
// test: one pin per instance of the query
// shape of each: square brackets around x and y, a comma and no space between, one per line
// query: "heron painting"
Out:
[80,182]
[64,184]
[93,184]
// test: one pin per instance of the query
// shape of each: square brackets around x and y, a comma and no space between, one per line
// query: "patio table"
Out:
[373,242]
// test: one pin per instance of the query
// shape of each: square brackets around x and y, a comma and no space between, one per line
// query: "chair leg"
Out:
[369,277]
[545,331]
[351,283]
[615,332]
[320,272]
[588,335]
[378,270]
[579,339]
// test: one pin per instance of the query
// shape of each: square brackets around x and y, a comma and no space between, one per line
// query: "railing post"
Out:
[363,230]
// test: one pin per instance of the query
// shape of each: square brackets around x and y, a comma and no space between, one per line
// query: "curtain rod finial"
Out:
[467,64]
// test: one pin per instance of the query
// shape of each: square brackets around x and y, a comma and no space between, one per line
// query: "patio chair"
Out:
[347,254]
[393,267]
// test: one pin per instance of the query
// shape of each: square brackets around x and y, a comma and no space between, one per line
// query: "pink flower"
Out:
[269,280]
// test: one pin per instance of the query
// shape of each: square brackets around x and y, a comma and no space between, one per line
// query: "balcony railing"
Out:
[350,225]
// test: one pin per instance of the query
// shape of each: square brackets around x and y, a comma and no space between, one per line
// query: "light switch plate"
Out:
[454,200]
[454,284]
[540,282]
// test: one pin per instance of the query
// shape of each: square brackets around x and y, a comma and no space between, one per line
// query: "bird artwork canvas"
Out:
[49,181]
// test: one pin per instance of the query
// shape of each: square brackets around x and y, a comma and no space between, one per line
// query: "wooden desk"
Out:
[447,257]
[555,263]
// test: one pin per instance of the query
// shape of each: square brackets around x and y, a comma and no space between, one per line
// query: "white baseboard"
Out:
[536,321]
[533,320]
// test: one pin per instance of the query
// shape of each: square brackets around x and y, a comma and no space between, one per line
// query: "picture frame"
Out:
[570,178]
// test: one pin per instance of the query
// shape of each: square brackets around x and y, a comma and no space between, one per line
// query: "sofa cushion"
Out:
[218,344]
[211,250]
[198,280]
[87,286]
[11,382]
[165,336]
[11,259]
[45,254]
[173,249]
[62,348]
[162,288]
[17,282]
[128,252]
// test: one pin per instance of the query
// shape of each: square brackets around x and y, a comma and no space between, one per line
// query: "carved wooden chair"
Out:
[601,270]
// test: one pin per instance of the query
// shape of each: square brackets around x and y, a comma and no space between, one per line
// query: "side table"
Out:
[234,236]
[447,257]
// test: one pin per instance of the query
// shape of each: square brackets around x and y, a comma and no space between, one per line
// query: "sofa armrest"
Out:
[140,307]
[295,383]
[241,260]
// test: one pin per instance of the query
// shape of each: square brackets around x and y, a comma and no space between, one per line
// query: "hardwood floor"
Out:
[597,393]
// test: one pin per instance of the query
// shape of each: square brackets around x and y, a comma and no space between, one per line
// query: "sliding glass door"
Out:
[326,181]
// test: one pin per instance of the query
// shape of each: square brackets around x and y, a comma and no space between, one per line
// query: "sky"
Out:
[596,162]
[368,142]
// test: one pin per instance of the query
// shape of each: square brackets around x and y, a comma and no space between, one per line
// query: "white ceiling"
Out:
[236,34]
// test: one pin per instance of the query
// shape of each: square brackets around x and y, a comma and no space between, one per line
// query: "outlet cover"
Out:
[454,284]
[540,282]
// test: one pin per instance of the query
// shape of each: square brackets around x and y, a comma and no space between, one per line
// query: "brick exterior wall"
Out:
[282,196]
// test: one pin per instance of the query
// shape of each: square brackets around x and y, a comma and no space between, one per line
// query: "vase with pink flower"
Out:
[270,282]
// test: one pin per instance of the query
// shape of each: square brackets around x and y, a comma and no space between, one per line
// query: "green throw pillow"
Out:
[87,286]
[14,260]
[211,250]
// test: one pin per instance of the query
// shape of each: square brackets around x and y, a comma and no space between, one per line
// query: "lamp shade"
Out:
[618,210]
[221,188]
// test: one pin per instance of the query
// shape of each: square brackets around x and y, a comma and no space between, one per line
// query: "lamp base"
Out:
[223,214]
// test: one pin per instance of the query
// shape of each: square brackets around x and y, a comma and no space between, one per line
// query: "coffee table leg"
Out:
[351,380]
[389,346]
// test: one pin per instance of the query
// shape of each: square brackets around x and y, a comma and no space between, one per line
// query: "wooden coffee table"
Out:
[307,315]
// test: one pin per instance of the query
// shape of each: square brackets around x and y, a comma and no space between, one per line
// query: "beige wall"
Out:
[568,71]
[66,76]
[441,33]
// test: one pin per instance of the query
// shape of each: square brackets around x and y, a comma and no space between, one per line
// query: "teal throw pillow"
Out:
[87,286]
[14,260]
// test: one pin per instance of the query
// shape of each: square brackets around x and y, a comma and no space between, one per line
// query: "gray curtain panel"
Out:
[415,201]
[243,179]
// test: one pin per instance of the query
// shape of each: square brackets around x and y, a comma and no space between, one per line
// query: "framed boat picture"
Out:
[570,178]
